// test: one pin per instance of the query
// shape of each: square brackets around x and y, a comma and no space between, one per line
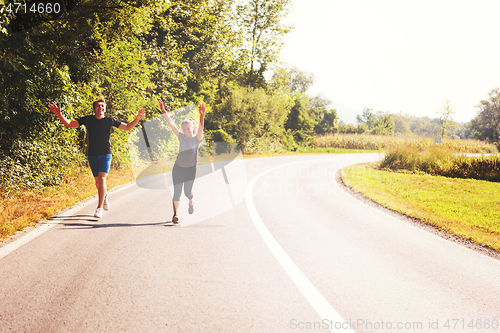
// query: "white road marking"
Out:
[317,301]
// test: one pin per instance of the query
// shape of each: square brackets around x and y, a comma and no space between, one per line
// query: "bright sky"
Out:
[393,56]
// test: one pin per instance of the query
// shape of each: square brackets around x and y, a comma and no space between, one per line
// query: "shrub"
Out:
[35,164]
[443,162]
[217,136]
[219,141]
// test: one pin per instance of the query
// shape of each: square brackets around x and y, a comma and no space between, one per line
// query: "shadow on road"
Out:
[84,219]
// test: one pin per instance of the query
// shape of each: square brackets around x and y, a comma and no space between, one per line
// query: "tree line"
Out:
[484,126]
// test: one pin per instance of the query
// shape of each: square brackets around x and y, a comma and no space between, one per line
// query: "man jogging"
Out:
[99,147]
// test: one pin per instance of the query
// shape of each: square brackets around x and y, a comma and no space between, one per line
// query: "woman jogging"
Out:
[184,171]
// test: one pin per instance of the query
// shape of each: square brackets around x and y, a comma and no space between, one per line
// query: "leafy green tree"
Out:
[298,121]
[401,124]
[367,117]
[55,60]
[318,107]
[200,37]
[261,24]
[328,124]
[377,123]
[254,118]
[299,81]
[384,125]
[59,59]
[423,126]
[486,124]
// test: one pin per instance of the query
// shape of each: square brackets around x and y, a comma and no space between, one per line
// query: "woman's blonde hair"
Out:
[191,122]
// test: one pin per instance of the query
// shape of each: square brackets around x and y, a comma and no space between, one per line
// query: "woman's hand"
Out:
[162,107]
[141,113]
[201,109]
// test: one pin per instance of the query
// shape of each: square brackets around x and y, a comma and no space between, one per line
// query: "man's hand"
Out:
[129,126]
[56,109]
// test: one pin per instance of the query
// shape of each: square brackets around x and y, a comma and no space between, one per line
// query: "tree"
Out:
[263,32]
[326,120]
[368,117]
[328,124]
[47,59]
[200,36]
[486,124]
[401,124]
[384,125]
[299,81]
[298,122]
[444,118]
[318,107]
[380,123]
[254,118]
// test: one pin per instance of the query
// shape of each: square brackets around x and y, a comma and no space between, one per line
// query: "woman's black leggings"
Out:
[183,176]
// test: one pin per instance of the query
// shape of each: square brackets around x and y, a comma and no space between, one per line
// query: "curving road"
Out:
[287,250]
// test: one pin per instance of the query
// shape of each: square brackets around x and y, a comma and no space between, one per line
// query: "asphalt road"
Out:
[274,245]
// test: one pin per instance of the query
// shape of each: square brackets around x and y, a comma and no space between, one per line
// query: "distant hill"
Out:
[345,113]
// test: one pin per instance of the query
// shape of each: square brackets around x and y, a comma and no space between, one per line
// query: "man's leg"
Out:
[100,183]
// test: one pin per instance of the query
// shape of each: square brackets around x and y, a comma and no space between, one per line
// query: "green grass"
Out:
[22,208]
[467,208]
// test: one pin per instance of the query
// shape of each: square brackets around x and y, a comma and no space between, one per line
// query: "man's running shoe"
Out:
[175,219]
[98,213]
[105,204]
[191,209]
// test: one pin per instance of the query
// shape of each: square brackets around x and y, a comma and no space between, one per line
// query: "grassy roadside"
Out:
[25,208]
[467,208]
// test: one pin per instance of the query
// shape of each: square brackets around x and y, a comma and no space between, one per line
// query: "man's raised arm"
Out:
[56,109]
[129,126]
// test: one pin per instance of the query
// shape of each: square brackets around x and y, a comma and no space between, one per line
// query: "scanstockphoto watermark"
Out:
[359,324]
[387,325]
[297,188]
[308,180]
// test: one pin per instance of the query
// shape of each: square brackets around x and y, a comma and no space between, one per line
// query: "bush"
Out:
[219,142]
[35,164]
[443,162]
[217,136]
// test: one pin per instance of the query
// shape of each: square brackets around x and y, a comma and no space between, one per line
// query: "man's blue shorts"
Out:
[100,163]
